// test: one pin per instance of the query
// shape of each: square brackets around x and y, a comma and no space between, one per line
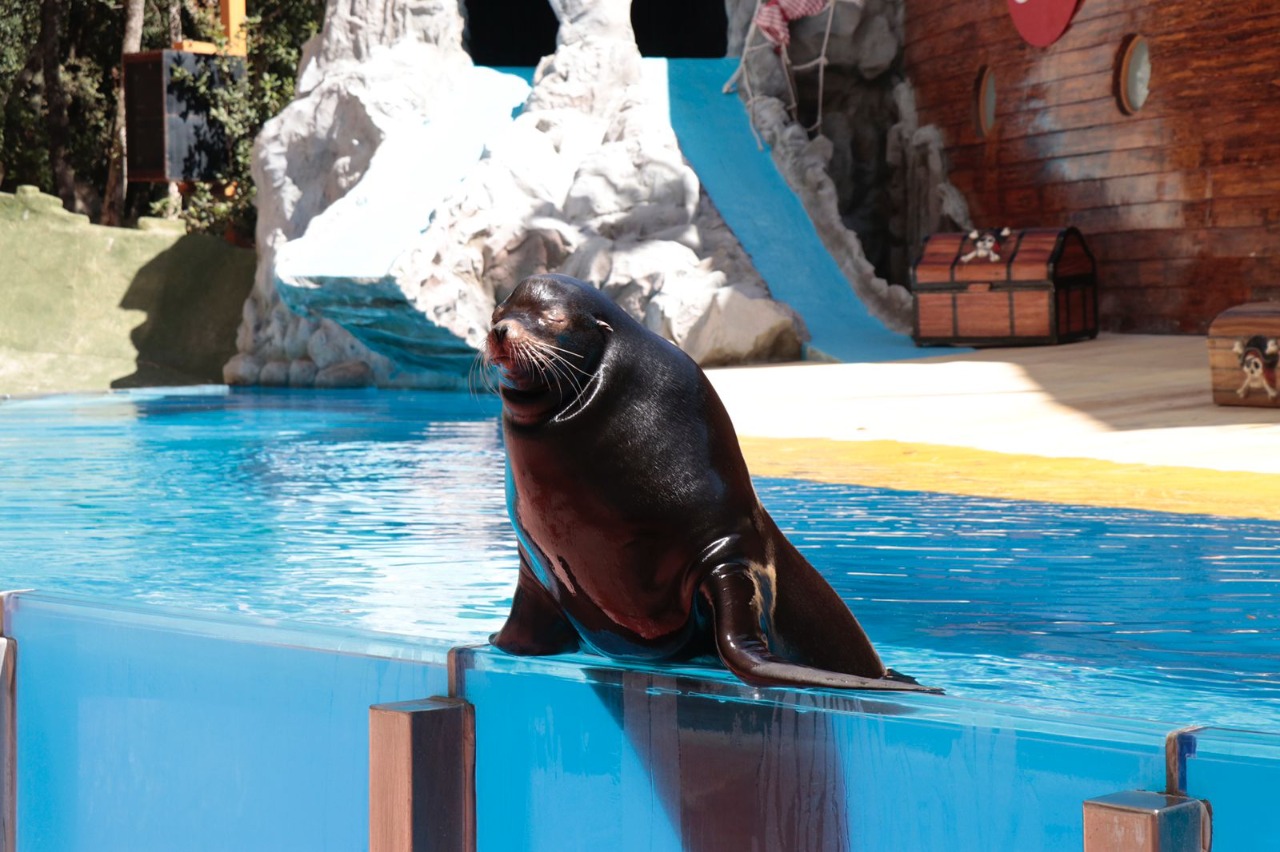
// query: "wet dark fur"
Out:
[640,532]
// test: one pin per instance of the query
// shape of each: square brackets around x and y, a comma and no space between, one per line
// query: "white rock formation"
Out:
[360,79]
[397,260]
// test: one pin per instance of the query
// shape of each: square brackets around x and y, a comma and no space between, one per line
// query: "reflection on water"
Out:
[1123,612]
[385,510]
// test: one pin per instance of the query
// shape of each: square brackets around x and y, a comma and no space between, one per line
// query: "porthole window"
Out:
[986,100]
[1133,75]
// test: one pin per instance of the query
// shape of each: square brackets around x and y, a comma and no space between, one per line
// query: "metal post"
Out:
[8,742]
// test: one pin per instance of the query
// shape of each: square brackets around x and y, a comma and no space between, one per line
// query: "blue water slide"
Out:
[767,217]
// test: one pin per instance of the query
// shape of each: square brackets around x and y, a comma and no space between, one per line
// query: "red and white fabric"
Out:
[774,16]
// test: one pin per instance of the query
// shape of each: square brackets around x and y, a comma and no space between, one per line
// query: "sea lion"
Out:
[640,533]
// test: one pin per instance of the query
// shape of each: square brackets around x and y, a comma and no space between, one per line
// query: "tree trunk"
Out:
[57,122]
[175,22]
[173,209]
[117,175]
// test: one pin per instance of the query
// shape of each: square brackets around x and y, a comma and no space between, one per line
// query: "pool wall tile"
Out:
[692,761]
[144,731]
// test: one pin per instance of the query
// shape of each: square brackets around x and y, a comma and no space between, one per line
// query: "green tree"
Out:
[19,65]
[60,65]
[241,103]
[113,196]
[58,59]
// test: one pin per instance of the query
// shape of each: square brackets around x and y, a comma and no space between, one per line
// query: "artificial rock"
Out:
[386,238]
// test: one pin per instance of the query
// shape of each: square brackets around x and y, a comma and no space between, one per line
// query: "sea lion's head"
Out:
[547,340]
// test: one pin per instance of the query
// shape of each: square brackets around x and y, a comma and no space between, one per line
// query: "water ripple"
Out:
[385,510]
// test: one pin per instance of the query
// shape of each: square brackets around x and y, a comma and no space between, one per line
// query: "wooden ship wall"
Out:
[1179,200]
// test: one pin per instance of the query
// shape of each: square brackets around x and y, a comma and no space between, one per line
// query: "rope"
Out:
[771,21]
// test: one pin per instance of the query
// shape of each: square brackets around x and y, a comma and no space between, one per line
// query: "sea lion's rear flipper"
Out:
[735,600]
[536,627]
[813,625]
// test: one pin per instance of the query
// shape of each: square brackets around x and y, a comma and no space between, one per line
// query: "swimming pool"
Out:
[231,579]
[384,511]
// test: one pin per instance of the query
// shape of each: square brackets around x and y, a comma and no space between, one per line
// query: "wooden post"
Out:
[422,776]
[233,26]
[1140,821]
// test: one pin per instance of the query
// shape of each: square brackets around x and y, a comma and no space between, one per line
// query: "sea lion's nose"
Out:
[503,329]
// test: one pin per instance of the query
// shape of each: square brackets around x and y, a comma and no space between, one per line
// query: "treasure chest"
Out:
[1244,349]
[1013,288]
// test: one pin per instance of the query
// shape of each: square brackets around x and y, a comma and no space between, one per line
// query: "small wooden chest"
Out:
[1244,349]
[1012,288]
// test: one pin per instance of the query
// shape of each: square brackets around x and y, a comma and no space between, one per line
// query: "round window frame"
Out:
[984,123]
[1124,69]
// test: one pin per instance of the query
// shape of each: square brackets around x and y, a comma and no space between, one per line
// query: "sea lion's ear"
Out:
[604,325]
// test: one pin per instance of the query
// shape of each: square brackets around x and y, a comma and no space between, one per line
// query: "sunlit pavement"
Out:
[1124,420]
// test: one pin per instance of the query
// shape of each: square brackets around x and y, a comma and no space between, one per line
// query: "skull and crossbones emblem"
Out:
[1258,357]
[986,245]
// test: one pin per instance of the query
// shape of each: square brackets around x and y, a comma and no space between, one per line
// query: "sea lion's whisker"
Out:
[481,366]
[545,366]
[548,361]
[560,366]
[581,392]
[541,362]
[555,358]
[558,349]
[471,374]
[563,367]
[551,351]
[569,377]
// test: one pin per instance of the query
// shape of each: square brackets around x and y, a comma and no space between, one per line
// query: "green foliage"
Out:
[92,108]
[19,28]
[241,103]
[275,31]
[91,49]
[19,25]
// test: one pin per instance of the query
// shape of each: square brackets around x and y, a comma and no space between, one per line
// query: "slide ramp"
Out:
[768,218]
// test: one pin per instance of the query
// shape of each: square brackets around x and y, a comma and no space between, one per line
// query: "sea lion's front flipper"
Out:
[735,600]
[536,626]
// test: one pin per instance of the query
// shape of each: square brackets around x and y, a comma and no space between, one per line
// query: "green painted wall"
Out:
[85,307]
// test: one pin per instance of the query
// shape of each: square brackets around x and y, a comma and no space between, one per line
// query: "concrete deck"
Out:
[1124,420]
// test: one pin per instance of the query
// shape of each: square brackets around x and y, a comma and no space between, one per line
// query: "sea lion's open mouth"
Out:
[528,366]
[521,394]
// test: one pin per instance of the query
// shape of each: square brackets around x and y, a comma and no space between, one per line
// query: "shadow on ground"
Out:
[193,295]
[1124,381]
[86,308]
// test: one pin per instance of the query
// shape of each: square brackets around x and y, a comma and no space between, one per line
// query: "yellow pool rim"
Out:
[981,473]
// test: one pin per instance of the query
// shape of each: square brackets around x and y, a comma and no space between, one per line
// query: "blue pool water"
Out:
[384,510]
